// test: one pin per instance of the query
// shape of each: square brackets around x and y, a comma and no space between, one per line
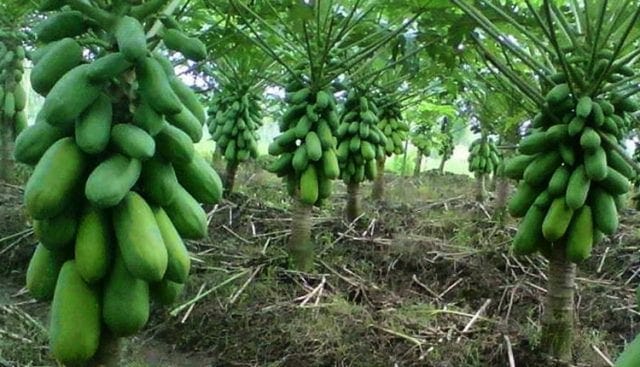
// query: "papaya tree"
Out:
[13,96]
[422,141]
[484,159]
[235,115]
[445,142]
[574,174]
[360,144]
[307,46]
[116,183]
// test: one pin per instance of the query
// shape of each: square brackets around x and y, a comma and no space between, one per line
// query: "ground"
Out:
[424,279]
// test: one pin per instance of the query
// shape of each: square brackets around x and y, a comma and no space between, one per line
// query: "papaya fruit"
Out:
[108,67]
[93,127]
[557,220]
[178,257]
[187,216]
[125,299]
[580,235]
[57,233]
[330,166]
[120,172]
[131,38]
[595,164]
[33,142]
[55,179]
[191,47]
[187,122]
[200,180]
[174,145]
[154,87]
[132,141]
[557,94]
[615,183]
[309,185]
[529,233]
[559,180]
[577,188]
[63,56]
[584,106]
[148,119]
[165,292]
[158,181]
[313,146]
[93,245]
[74,303]
[139,238]
[64,24]
[69,97]
[300,159]
[515,166]
[604,207]
[631,354]
[534,143]
[42,272]
[539,171]
[618,163]
[189,98]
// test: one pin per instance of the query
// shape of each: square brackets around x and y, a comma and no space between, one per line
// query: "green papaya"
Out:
[108,67]
[165,292]
[330,166]
[178,257]
[189,98]
[309,185]
[93,250]
[174,144]
[57,233]
[604,207]
[34,141]
[125,299]
[69,97]
[580,235]
[523,198]
[615,183]
[131,38]
[139,238]
[93,127]
[148,119]
[577,188]
[69,23]
[557,220]
[63,56]
[536,142]
[529,233]
[559,180]
[111,180]
[42,272]
[313,146]
[158,181]
[200,179]
[74,303]
[154,87]
[631,354]
[191,47]
[595,164]
[187,122]
[187,215]
[515,167]
[55,180]
[132,141]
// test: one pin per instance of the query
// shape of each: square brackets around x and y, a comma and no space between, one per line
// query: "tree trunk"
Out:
[230,177]
[300,245]
[502,192]
[441,168]
[481,193]
[405,156]
[557,321]
[416,170]
[378,184]
[108,354]
[6,151]
[353,209]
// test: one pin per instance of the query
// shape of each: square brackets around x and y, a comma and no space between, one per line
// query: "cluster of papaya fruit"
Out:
[573,180]
[446,146]
[13,97]
[360,141]
[422,142]
[307,146]
[116,184]
[391,124]
[484,157]
[234,117]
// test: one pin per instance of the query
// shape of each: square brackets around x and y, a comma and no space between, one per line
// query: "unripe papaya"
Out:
[55,179]
[63,56]
[74,303]
[93,127]
[42,272]
[132,141]
[557,220]
[93,249]
[580,235]
[139,238]
[309,186]
[155,88]
[529,233]
[178,256]
[165,292]
[120,172]
[200,180]
[132,42]
[187,215]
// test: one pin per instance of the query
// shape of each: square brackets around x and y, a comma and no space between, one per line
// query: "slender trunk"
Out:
[108,354]
[481,193]
[405,156]
[353,209]
[557,321]
[230,177]
[300,245]
[416,170]
[502,192]
[441,168]
[378,184]
[6,150]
